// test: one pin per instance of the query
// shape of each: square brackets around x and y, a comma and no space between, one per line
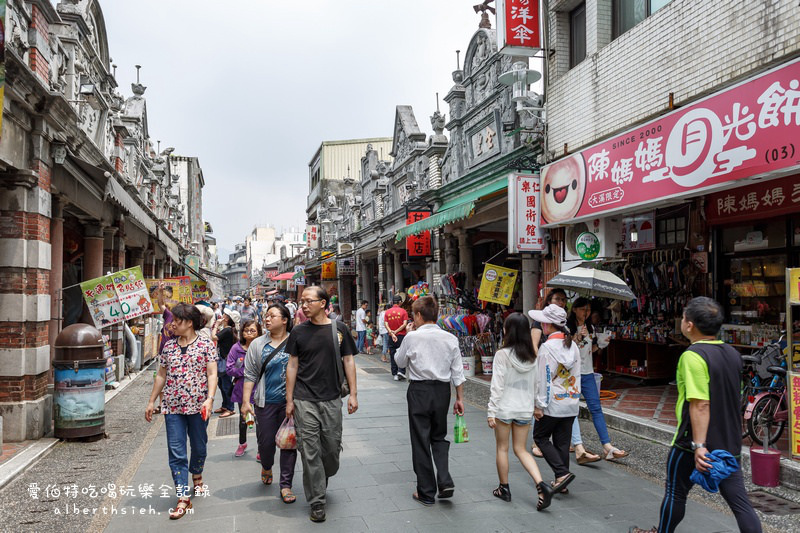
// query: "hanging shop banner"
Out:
[347,266]
[200,291]
[497,284]
[525,233]
[312,236]
[329,270]
[639,232]
[299,275]
[117,297]
[185,289]
[193,262]
[418,245]
[172,291]
[518,29]
[794,286]
[749,130]
[763,199]
[794,410]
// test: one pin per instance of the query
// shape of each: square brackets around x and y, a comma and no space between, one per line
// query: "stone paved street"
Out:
[372,491]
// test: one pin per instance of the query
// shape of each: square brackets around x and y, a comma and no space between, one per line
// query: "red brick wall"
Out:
[39,64]
[39,23]
[21,225]
[24,281]
[23,334]
[26,388]
[45,174]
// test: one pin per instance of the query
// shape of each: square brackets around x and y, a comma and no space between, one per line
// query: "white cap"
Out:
[552,314]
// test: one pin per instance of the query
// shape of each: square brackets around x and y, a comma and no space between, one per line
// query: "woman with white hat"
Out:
[225,334]
[558,390]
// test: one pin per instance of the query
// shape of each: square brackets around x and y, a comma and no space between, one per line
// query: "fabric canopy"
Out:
[283,277]
[442,218]
[453,210]
[270,293]
[116,192]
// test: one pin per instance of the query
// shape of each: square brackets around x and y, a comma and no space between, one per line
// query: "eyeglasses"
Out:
[304,302]
[250,330]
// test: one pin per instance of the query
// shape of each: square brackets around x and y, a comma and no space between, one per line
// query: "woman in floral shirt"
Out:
[187,375]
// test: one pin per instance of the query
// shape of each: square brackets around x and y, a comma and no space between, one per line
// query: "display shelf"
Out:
[659,359]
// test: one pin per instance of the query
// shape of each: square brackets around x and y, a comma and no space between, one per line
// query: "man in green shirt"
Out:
[708,369]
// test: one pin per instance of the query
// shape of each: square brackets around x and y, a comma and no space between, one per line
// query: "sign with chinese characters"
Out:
[755,202]
[418,245]
[497,284]
[312,236]
[329,270]
[193,262]
[749,130]
[347,266]
[485,142]
[525,233]
[200,291]
[639,232]
[299,275]
[518,29]
[794,411]
[587,245]
[117,297]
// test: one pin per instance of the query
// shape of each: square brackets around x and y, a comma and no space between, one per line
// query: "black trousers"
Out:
[428,402]
[393,346]
[680,465]
[556,453]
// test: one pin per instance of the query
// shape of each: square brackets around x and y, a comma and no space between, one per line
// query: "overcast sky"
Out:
[253,87]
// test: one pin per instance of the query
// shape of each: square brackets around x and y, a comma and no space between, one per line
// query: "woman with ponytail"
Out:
[558,390]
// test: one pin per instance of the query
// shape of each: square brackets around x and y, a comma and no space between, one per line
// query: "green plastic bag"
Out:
[460,432]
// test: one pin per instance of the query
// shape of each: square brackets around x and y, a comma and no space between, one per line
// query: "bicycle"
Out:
[767,416]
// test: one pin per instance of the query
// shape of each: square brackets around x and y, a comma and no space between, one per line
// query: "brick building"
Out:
[82,192]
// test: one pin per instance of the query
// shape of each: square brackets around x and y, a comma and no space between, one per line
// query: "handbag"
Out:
[344,386]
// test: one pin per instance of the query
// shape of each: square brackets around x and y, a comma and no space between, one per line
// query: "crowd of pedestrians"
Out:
[296,362]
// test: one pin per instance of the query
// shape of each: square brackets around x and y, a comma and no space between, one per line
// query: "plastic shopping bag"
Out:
[460,432]
[286,438]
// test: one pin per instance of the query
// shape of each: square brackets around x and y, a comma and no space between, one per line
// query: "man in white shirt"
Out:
[433,361]
[361,326]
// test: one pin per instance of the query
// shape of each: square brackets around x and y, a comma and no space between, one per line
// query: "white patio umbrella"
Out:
[593,282]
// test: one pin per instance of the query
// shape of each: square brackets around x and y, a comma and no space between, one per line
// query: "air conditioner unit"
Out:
[607,231]
[344,248]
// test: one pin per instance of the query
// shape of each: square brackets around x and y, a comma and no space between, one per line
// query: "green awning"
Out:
[442,218]
[486,190]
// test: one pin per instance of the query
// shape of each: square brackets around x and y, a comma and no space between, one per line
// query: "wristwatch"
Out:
[696,445]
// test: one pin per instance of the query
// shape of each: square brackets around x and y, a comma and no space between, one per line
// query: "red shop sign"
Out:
[418,245]
[518,30]
[751,129]
[758,201]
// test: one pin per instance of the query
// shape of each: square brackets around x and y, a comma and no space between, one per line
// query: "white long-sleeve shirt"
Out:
[559,383]
[382,323]
[513,387]
[430,353]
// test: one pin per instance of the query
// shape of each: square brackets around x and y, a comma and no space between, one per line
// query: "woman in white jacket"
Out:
[558,389]
[511,404]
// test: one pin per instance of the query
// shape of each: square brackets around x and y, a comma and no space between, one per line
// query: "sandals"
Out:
[536,452]
[226,413]
[587,457]
[197,482]
[287,495]
[545,495]
[266,477]
[503,492]
[561,486]
[180,509]
[615,453]
[384,359]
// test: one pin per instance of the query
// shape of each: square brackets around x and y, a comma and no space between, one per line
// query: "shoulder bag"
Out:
[269,358]
[344,387]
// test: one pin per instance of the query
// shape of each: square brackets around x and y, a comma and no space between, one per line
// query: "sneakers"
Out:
[317,512]
[396,377]
[240,450]
[401,376]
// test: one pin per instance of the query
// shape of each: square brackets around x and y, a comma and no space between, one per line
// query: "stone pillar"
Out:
[381,276]
[137,258]
[530,282]
[25,302]
[56,271]
[360,280]
[465,256]
[366,285]
[390,272]
[450,255]
[93,251]
[398,272]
